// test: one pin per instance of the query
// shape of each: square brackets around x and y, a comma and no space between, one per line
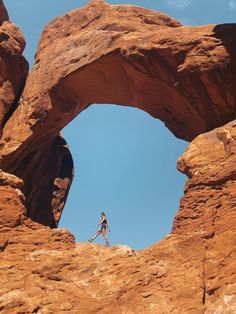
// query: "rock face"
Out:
[47,176]
[13,73]
[208,211]
[3,13]
[126,55]
[192,270]
[12,207]
[13,66]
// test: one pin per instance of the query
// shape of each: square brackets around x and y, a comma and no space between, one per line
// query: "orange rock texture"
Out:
[192,270]
[13,66]
[125,55]
[115,54]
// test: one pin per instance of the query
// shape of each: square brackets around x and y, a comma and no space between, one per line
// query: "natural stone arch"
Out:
[199,251]
[95,54]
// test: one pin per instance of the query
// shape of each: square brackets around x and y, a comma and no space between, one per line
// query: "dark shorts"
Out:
[104,226]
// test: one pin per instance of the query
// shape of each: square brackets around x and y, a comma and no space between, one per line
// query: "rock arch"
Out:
[198,257]
[113,54]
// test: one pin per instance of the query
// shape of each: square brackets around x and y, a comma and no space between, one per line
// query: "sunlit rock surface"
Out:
[124,55]
[13,66]
[192,270]
[130,56]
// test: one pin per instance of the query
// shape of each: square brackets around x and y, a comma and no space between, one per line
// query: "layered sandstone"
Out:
[126,55]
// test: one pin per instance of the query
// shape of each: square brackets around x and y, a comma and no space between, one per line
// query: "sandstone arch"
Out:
[198,257]
[95,54]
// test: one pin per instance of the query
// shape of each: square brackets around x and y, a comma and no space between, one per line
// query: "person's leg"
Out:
[96,235]
[104,235]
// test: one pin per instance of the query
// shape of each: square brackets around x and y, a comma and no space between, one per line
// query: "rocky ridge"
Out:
[182,75]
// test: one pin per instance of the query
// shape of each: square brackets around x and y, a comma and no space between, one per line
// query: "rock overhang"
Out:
[124,55]
[200,249]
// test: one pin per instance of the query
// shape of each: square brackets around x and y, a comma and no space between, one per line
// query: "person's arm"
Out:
[108,228]
[100,222]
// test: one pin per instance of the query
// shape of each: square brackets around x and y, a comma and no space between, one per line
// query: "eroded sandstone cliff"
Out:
[126,55]
[13,66]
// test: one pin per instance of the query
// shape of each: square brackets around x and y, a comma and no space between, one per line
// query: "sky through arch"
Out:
[124,165]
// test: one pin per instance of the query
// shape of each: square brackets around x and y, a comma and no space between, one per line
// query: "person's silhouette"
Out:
[104,226]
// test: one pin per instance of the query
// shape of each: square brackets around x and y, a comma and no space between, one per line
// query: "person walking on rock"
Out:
[104,225]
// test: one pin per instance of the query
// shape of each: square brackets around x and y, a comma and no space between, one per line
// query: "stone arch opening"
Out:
[141,80]
[123,166]
[201,245]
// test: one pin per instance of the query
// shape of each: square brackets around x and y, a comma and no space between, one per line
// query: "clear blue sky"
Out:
[124,159]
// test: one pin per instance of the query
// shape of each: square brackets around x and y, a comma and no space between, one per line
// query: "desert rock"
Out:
[184,76]
[125,55]
[192,270]
[13,66]
[12,207]
[3,13]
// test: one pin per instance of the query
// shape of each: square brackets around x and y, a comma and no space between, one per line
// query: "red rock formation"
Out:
[124,55]
[13,72]
[192,270]
[49,182]
[182,75]
[12,207]
[208,212]
[209,161]
[3,13]
[13,67]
